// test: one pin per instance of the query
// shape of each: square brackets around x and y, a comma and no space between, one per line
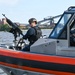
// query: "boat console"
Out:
[61,40]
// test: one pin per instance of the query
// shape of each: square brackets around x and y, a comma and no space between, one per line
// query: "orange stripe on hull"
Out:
[36,69]
[38,57]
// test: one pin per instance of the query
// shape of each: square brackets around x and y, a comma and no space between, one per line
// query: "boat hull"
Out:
[37,62]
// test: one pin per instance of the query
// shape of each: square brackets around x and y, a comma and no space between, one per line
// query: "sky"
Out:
[22,10]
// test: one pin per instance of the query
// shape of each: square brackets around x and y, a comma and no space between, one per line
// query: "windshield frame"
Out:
[56,26]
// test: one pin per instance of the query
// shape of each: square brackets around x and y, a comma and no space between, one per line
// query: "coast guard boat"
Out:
[53,55]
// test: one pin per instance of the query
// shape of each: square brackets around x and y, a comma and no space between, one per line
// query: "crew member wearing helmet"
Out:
[33,33]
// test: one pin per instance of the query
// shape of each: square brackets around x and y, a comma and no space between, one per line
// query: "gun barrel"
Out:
[14,26]
[4,15]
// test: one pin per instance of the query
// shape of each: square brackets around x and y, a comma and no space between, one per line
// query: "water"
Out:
[7,38]
[2,72]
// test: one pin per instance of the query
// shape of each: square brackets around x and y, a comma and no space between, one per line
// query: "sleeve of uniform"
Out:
[29,33]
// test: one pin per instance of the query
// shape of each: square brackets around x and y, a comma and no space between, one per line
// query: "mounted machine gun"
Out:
[15,30]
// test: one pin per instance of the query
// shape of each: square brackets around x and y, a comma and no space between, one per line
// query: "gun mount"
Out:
[15,30]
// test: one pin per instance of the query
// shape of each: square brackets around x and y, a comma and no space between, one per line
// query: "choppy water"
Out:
[7,38]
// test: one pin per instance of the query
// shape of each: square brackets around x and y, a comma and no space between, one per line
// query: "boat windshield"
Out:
[71,8]
[60,26]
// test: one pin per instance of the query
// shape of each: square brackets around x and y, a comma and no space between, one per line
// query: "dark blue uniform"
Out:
[33,34]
